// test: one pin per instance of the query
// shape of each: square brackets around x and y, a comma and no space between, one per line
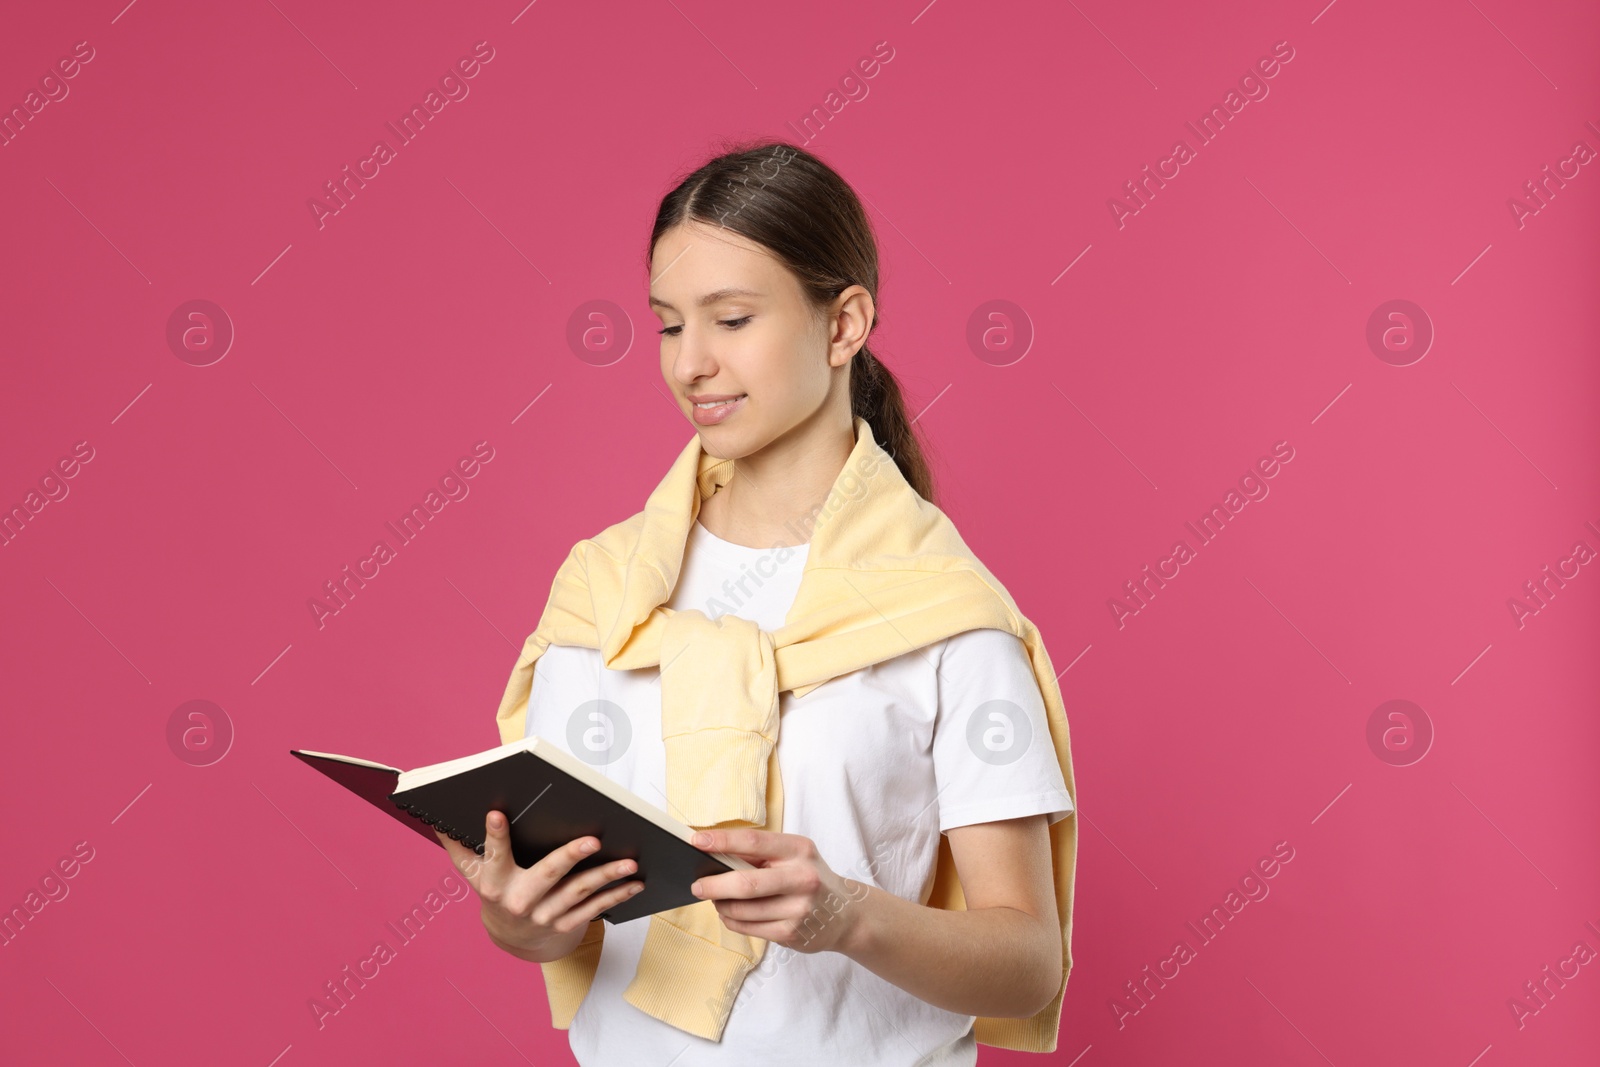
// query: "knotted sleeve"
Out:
[719,717]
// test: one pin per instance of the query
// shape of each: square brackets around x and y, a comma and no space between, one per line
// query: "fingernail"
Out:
[590,846]
[702,839]
[695,889]
[496,820]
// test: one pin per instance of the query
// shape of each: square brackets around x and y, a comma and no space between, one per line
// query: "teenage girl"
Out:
[764,274]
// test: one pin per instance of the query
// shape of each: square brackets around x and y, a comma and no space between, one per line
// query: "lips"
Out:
[713,409]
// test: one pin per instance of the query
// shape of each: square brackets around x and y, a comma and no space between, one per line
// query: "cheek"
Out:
[790,378]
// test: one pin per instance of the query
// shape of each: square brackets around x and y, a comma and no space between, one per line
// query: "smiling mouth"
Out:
[715,412]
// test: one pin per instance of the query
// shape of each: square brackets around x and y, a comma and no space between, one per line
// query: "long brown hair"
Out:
[796,206]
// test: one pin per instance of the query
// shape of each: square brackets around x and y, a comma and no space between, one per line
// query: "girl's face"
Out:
[738,333]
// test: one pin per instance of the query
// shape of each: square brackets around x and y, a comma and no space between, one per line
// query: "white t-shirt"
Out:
[875,764]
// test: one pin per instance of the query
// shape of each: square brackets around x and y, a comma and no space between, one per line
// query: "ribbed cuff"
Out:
[713,781]
[685,981]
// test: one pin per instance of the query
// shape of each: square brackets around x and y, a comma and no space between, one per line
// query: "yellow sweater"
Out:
[886,573]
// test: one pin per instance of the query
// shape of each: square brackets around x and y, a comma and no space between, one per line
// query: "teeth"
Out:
[718,403]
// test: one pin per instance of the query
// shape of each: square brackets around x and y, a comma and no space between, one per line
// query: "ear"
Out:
[852,319]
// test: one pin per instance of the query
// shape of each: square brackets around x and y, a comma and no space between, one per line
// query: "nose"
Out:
[693,361]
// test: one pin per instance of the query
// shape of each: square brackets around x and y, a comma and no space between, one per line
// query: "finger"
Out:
[763,909]
[463,858]
[590,909]
[747,885]
[576,888]
[494,865]
[750,844]
[556,865]
[497,853]
[776,931]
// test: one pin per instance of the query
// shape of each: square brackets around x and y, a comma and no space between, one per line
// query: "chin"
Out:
[725,442]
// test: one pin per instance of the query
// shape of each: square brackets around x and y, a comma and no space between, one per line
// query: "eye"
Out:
[732,324]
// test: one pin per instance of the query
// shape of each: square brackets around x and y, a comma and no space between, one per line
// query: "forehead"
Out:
[697,265]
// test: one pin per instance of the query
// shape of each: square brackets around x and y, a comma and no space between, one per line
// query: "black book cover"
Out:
[550,798]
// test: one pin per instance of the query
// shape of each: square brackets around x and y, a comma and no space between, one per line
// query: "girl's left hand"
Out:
[793,899]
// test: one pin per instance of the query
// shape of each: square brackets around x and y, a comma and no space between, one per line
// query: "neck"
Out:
[775,494]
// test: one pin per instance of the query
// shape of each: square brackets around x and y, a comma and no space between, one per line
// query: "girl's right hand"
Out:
[538,913]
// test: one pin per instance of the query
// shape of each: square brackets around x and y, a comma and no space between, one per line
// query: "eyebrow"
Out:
[710,298]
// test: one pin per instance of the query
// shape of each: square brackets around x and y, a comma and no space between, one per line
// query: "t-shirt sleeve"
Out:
[993,757]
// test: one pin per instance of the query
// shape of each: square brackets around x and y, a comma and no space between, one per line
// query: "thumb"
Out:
[497,835]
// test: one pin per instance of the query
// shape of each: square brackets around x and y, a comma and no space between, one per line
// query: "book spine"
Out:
[449,831]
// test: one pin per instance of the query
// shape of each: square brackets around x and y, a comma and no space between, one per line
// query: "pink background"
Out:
[1228,314]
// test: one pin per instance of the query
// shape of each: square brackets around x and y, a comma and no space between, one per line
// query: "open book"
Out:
[550,797]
